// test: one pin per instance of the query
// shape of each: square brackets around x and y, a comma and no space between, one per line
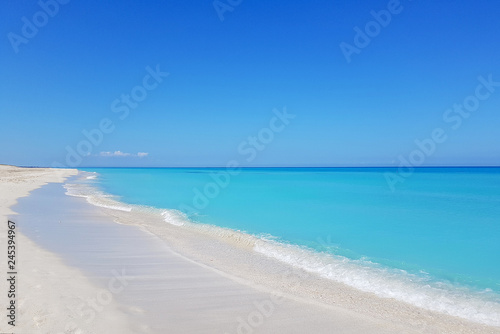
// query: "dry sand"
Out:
[197,283]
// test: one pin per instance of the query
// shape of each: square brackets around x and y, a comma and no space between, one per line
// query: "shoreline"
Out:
[239,260]
[168,292]
[258,275]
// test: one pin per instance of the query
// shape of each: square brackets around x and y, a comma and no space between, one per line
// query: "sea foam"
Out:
[389,283]
[93,195]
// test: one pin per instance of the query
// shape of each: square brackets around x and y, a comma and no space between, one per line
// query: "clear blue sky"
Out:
[226,77]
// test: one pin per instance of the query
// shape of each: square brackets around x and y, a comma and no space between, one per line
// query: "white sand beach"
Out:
[177,280]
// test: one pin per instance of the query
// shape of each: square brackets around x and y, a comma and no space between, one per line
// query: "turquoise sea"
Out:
[433,240]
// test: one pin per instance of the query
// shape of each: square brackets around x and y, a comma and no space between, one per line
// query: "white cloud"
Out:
[114,154]
[123,154]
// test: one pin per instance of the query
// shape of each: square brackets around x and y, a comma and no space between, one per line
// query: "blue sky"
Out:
[225,78]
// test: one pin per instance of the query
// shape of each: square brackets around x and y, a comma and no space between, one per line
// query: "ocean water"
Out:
[432,241]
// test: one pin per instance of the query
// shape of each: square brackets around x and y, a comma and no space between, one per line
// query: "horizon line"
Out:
[250,167]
